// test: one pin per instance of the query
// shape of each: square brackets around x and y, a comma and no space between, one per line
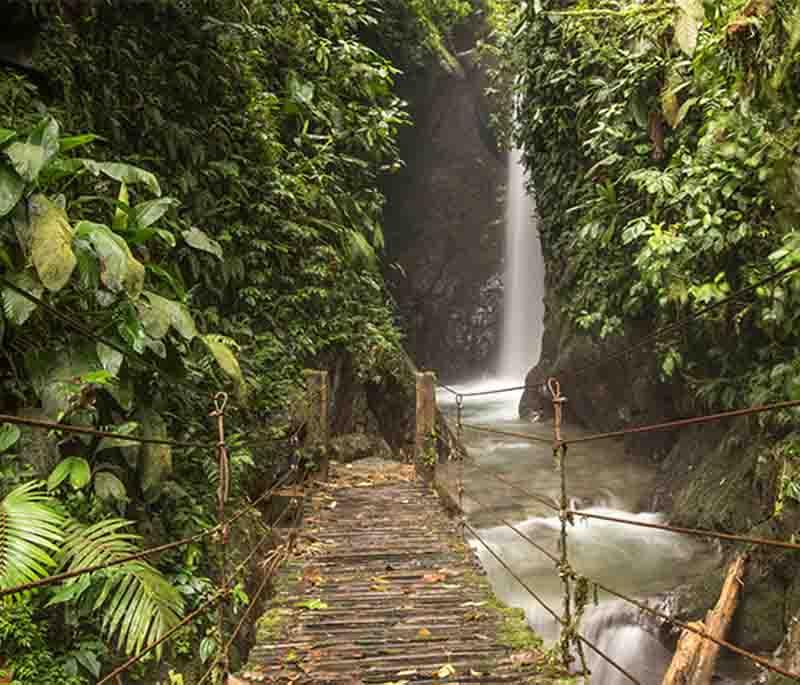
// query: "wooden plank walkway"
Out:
[383,590]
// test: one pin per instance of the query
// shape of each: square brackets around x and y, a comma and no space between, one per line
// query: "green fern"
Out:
[30,534]
[138,603]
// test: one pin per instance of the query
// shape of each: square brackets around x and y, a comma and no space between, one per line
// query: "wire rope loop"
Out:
[220,403]
[555,388]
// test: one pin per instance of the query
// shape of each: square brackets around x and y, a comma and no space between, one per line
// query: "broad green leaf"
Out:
[120,222]
[71,142]
[225,357]
[11,189]
[108,486]
[74,468]
[119,269]
[136,602]
[9,435]
[159,314]
[72,591]
[688,20]
[147,213]
[30,157]
[58,373]
[6,134]
[200,241]
[80,474]
[17,307]
[669,106]
[110,358]
[51,243]
[124,173]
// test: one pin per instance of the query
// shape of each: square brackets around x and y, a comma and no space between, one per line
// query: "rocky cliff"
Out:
[444,216]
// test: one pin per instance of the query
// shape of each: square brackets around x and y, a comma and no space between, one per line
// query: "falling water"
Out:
[524,278]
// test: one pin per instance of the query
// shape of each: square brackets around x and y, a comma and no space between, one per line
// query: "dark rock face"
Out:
[444,221]
[608,396]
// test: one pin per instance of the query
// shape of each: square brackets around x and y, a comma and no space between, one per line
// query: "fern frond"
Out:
[30,533]
[138,603]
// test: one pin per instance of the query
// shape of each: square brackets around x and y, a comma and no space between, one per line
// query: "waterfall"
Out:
[523,311]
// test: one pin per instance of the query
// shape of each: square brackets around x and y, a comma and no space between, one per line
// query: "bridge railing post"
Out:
[317,434]
[425,454]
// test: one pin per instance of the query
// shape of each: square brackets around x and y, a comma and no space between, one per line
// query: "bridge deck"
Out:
[383,590]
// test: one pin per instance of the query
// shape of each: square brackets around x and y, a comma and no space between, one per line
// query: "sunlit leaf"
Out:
[200,241]
[51,243]
[11,189]
[30,157]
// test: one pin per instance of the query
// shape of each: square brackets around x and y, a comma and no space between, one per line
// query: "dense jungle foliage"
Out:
[198,184]
[662,142]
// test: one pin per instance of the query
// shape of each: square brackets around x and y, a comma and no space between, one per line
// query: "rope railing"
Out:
[683,423]
[150,551]
[84,330]
[569,621]
[553,613]
[218,595]
[644,343]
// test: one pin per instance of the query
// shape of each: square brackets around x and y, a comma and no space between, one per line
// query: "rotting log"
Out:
[695,656]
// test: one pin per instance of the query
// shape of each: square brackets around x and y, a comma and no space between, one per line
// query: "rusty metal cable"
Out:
[647,341]
[644,607]
[43,424]
[91,335]
[698,532]
[674,327]
[511,434]
[547,608]
[532,495]
[682,423]
[510,525]
[67,575]
[273,560]
[524,585]
[686,626]
[166,636]
[448,389]
[218,595]
[87,430]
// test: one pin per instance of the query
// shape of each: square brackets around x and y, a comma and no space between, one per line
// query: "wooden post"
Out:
[425,456]
[696,657]
[317,417]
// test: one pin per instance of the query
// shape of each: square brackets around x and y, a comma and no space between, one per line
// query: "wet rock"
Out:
[357,446]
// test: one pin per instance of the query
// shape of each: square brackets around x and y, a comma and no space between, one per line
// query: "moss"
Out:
[270,626]
[514,631]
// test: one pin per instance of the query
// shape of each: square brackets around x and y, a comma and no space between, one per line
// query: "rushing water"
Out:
[523,306]
[602,478]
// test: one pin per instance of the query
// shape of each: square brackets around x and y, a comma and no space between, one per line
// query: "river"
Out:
[601,478]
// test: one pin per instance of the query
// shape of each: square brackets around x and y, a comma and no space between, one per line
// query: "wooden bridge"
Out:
[382,589]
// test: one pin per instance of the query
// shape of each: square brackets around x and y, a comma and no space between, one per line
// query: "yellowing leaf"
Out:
[51,243]
[446,671]
[423,633]
[158,314]
[222,352]
[688,21]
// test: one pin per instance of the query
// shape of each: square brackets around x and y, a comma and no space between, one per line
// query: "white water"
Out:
[523,306]
[601,478]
